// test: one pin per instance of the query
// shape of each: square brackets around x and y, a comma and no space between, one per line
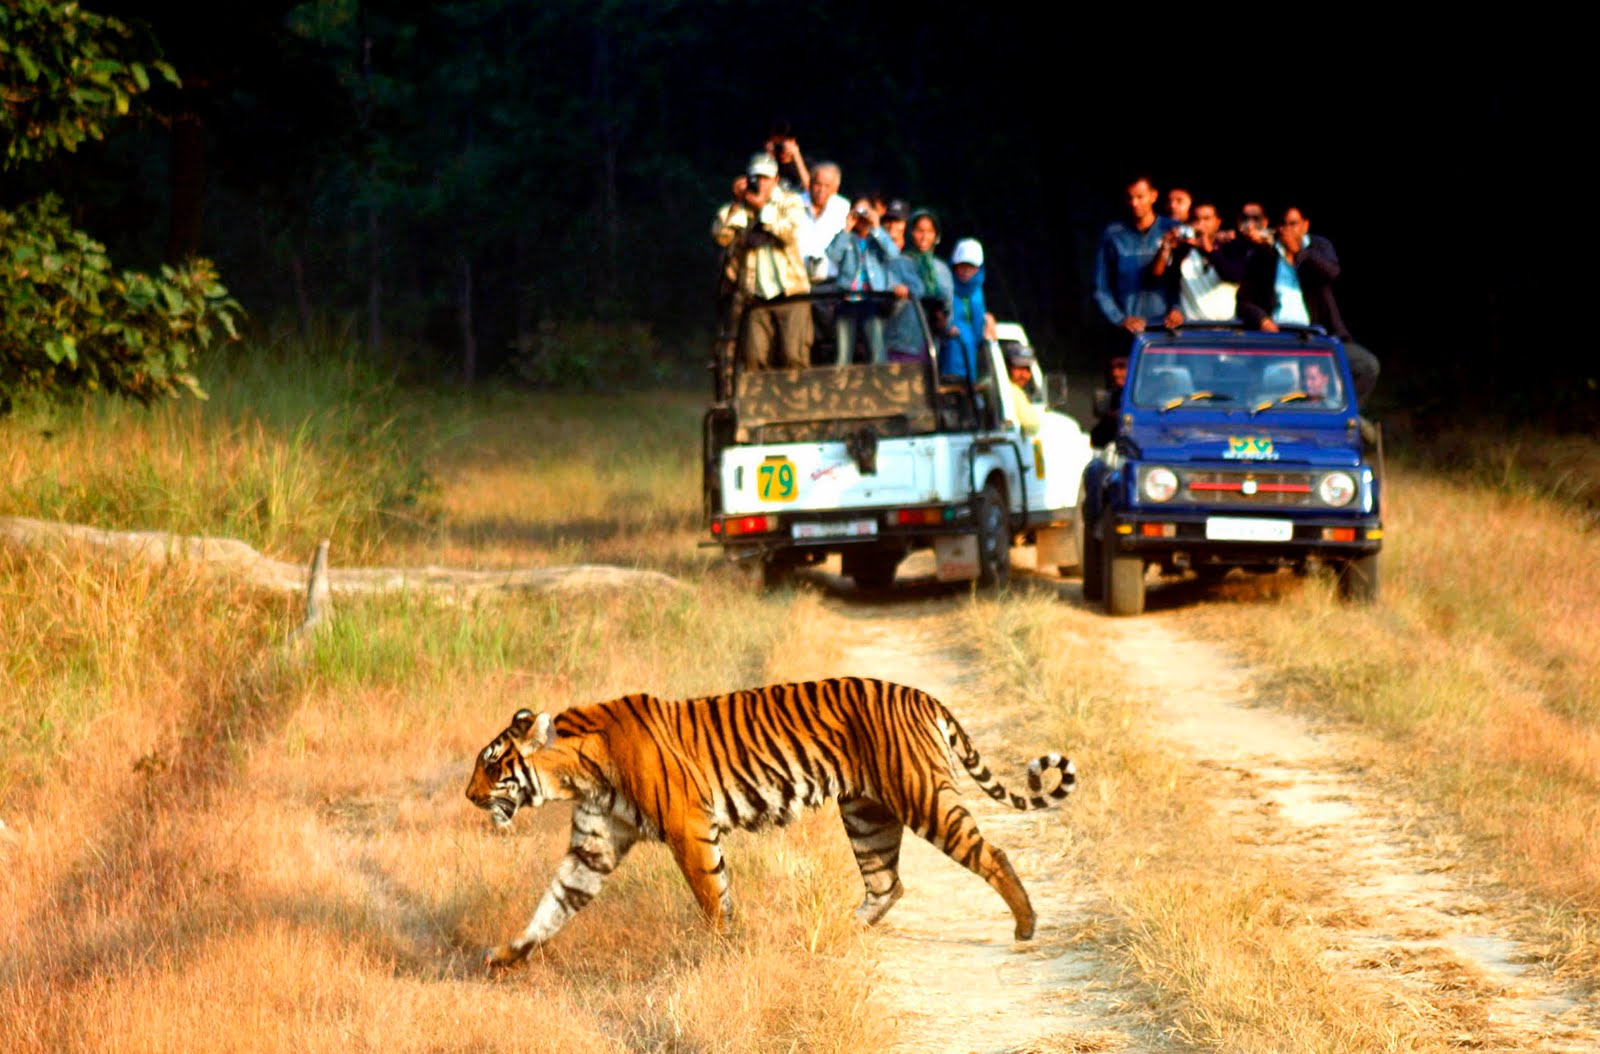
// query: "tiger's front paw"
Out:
[506,955]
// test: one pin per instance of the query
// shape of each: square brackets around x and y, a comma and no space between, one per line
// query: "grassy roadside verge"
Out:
[1226,946]
[1477,677]
[288,862]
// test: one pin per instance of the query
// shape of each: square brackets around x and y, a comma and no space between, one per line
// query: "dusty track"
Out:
[948,960]
[1403,908]
[1404,911]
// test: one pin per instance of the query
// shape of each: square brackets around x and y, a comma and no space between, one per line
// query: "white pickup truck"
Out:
[875,460]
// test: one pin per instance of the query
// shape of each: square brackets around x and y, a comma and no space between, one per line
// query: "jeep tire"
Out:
[1124,583]
[777,570]
[1358,579]
[1094,564]
[871,568]
[994,539]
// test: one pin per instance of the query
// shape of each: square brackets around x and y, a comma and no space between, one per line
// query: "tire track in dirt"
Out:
[946,955]
[1405,912]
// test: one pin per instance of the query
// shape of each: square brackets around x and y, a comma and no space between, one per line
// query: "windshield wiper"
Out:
[1195,397]
[1286,397]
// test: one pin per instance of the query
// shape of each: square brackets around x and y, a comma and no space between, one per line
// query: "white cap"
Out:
[762,165]
[967,250]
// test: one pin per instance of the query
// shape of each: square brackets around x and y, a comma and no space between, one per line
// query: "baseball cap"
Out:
[967,250]
[1017,353]
[762,165]
[897,210]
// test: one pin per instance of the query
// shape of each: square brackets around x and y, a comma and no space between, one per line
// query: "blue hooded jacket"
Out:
[960,356]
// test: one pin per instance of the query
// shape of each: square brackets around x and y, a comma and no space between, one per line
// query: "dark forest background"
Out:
[464,185]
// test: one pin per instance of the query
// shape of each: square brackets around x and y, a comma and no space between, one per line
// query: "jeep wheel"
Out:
[1358,579]
[777,570]
[994,540]
[1125,584]
[871,568]
[1094,564]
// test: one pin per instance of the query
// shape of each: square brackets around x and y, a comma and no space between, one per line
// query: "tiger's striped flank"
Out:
[688,771]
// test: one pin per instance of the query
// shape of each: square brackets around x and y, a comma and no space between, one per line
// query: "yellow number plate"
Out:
[776,480]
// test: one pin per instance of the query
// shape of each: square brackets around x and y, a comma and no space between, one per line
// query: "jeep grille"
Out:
[1254,489]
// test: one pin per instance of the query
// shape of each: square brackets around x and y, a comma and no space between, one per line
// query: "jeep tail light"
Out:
[1160,484]
[1336,488]
[920,517]
[747,525]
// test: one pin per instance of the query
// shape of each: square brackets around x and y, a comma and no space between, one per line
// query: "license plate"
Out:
[776,479]
[835,529]
[1236,529]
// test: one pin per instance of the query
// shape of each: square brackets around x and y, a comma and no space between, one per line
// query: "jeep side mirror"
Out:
[1055,390]
[1102,402]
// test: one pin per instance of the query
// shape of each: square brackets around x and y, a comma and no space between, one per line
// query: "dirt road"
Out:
[1415,919]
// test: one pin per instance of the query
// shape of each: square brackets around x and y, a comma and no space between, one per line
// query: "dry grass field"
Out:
[209,844]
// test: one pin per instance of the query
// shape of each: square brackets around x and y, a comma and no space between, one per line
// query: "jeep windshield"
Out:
[1254,380]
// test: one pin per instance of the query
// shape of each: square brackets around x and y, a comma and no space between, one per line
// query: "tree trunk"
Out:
[188,180]
[302,300]
[374,284]
[608,137]
[469,342]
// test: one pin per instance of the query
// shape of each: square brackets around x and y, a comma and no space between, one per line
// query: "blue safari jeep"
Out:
[1233,448]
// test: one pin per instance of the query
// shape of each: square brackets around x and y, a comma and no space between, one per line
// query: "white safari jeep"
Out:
[874,460]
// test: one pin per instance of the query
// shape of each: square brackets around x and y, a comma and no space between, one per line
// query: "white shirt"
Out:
[1202,294]
[817,231]
[1291,301]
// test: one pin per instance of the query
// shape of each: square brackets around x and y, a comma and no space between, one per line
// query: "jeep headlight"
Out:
[1336,489]
[1160,484]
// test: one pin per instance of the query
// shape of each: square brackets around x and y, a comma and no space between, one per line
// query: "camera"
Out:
[1185,232]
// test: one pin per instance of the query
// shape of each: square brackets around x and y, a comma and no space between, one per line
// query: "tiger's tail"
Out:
[961,749]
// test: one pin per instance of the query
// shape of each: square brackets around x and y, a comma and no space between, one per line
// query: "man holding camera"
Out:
[1129,295]
[864,259]
[1204,281]
[760,231]
[1289,279]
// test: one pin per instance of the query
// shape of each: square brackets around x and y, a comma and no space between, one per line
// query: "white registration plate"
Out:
[1238,529]
[835,529]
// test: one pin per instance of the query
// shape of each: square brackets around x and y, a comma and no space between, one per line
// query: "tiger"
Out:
[688,771]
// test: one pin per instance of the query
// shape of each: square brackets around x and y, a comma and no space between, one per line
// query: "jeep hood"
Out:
[1249,441]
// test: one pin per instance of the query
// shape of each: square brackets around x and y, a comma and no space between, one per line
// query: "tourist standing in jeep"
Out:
[1290,279]
[760,229]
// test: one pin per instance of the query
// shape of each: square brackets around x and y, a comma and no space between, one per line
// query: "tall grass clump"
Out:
[296,442]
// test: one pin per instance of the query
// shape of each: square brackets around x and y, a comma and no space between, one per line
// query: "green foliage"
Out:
[65,74]
[67,321]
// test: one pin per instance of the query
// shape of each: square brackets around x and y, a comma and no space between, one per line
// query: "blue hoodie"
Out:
[960,355]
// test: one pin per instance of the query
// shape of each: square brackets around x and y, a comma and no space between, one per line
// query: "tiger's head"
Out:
[506,775]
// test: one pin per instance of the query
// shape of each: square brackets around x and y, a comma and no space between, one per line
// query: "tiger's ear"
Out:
[534,731]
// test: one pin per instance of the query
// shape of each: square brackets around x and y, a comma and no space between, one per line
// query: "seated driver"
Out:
[1019,368]
[1316,381]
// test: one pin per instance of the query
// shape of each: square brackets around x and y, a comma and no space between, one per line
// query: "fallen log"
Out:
[237,558]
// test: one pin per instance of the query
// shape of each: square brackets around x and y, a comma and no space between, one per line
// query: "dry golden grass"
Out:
[1228,948]
[202,846]
[612,478]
